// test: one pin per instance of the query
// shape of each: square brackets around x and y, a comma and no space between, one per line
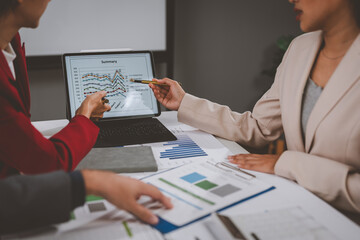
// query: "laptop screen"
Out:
[87,73]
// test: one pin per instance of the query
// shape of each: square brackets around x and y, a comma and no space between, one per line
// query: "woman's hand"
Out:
[124,192]
[257,162]
[93,106]
[169,95]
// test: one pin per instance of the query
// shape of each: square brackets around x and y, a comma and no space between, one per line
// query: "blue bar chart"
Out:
[184,147]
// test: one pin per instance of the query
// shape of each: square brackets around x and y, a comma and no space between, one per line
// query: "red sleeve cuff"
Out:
[79,136]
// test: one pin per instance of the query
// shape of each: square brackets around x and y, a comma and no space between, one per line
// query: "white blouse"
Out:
[10,56]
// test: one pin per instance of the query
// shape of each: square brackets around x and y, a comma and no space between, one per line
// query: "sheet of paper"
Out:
[90,211]
[191,145]
[196,231]
[104,229]
[110,229]
[99,219]
[291,223]
[202,187]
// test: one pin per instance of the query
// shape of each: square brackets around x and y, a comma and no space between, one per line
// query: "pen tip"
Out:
[132,80]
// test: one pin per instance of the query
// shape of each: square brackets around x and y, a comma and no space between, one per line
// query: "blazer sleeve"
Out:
[24,148]
[253,129]
[333,181]
[28,202]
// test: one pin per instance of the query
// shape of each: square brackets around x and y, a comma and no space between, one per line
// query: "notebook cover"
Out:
[120,159]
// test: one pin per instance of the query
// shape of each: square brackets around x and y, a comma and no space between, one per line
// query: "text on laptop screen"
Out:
[87,74]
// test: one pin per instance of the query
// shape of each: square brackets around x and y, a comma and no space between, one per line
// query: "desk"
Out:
[287,193]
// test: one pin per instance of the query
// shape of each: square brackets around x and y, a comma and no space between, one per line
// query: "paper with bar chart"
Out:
[191,145]
[199,188]
[99,219]
[94,208]
[111,73]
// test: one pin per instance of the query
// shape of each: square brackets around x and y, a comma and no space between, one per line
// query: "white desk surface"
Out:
[287,193]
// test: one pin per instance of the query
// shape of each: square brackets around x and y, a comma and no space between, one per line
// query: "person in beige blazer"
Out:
[324,154]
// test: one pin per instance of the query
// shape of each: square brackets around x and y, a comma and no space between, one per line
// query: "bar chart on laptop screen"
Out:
[112,74]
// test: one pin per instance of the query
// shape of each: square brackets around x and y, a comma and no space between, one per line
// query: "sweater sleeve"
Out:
[28,202]
[339,184]
[253,129]
[24,148]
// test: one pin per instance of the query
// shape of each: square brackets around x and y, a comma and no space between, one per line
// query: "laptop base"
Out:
[133,131]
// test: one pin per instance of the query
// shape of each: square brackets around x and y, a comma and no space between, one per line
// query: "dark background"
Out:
[217,49]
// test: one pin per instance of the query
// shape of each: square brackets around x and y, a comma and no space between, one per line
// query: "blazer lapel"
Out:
[307,56]
[343,78]
[18,93]
[21,72]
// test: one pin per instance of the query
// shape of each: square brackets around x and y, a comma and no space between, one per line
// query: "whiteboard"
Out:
[74,25]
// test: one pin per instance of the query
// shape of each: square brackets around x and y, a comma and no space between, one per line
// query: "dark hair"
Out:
[356,7]
[6,6]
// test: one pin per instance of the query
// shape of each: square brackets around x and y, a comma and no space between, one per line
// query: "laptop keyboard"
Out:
[134,131]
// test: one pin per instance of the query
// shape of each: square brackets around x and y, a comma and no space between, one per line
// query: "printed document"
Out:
[202,187]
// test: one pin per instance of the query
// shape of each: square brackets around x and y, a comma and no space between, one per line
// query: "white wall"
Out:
[74,25]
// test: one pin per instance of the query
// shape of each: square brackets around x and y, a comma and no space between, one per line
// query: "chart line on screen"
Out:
[112,80]
[114,86]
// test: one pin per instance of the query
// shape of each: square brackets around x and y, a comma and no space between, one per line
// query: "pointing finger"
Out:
[143,213]
[155,194]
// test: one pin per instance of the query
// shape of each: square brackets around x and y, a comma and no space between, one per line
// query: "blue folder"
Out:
[165,227]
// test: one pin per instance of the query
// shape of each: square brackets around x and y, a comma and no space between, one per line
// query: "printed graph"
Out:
[197,181]
[184,147]
[201,181]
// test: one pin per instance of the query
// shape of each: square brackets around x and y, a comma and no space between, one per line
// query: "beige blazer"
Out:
[328,164]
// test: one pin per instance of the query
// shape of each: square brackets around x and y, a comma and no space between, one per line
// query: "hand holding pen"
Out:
[94,105]
[168,92]
[104,100]
[149,81]
[146,82]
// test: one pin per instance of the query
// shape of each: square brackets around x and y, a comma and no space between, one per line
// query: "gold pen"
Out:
[147,82]
[237,169]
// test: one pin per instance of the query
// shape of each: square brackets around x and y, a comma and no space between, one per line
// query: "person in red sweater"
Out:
[29,202]
[23,149]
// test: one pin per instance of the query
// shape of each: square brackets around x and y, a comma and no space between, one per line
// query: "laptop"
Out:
[133,105]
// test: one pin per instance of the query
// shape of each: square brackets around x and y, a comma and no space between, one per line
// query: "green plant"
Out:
[282,45]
